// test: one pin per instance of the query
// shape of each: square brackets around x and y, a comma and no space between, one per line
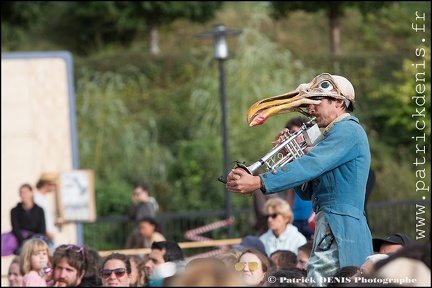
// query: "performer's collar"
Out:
[330,126]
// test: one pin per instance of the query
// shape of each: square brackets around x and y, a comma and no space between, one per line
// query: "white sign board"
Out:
[76,196]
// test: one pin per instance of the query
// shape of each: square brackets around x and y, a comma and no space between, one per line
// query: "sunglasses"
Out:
[273,216]
[119,272]
[241,265]
[73,248]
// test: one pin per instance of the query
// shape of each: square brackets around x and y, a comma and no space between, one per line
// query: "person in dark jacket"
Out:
[28,219]
[92,276]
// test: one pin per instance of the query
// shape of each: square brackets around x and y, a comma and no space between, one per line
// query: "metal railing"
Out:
[408,217]
[385,218]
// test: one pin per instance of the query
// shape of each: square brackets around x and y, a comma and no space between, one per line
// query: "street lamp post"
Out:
[219,34]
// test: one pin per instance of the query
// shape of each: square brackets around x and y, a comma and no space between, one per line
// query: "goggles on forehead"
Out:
[73,248]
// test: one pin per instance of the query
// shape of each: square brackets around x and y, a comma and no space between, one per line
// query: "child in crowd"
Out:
[35,264]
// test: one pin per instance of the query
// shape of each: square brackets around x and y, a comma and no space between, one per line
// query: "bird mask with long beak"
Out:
[325,84]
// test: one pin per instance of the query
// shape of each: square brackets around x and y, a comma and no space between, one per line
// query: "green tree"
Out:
[22,14]
[157,13]
[334,11]
[399,107]
[93,24]
[119,145]
[90,25]
[19,18]
[256,69]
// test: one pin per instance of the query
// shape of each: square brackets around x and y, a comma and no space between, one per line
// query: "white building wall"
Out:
[35,131]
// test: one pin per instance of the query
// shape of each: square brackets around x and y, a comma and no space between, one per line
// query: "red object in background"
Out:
[193,235]
[311,221]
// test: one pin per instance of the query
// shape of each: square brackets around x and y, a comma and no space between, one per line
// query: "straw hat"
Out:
[49,177]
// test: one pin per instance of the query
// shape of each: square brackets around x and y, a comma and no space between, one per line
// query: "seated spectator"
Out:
[47,184]
[205,272]
[392,243]
[250,241]
[284,259]
[252,267]
[142,205]
[27,219]
[205,260]
[92,276]
[116,270]
[147,233]
[259,200]
[35,263]
[282,235]
[343,276]
[418,251]
[165,254]
[70,265]
[405,271]
[302,210]
[367,267]
[286,278]
[303,254]
[138,278]
[229,257]
[15,276]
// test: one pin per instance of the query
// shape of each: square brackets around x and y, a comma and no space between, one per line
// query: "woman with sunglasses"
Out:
[282,234]
[252,266]
[116,270]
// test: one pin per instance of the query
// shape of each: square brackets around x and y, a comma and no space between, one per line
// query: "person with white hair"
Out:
[367,268]
[282,234]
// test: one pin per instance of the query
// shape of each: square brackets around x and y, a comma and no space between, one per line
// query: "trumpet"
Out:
[287,151]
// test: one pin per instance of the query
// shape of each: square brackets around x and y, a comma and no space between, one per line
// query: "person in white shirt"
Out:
[46,183]
[282,235]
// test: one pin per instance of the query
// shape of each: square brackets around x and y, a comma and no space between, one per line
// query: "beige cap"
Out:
[329,85]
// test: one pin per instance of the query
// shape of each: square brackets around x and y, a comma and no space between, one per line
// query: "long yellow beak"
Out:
[324,84]
[289,102]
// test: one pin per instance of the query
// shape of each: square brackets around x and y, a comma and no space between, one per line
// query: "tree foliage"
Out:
[334,11]
[158,119]
[87,26]
[284,8]
[256,68]
[115,143]
[403,108]
[164,12]
[22,14]
[19,18]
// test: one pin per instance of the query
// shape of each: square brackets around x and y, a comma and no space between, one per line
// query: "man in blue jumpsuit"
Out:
[332,175]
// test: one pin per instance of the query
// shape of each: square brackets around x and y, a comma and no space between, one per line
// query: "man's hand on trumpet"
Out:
[240,181]
[280,137]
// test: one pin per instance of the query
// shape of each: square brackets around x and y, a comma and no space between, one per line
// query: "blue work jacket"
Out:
[333,176]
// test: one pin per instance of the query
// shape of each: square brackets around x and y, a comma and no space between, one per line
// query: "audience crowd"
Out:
[244,265]
[276,257]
